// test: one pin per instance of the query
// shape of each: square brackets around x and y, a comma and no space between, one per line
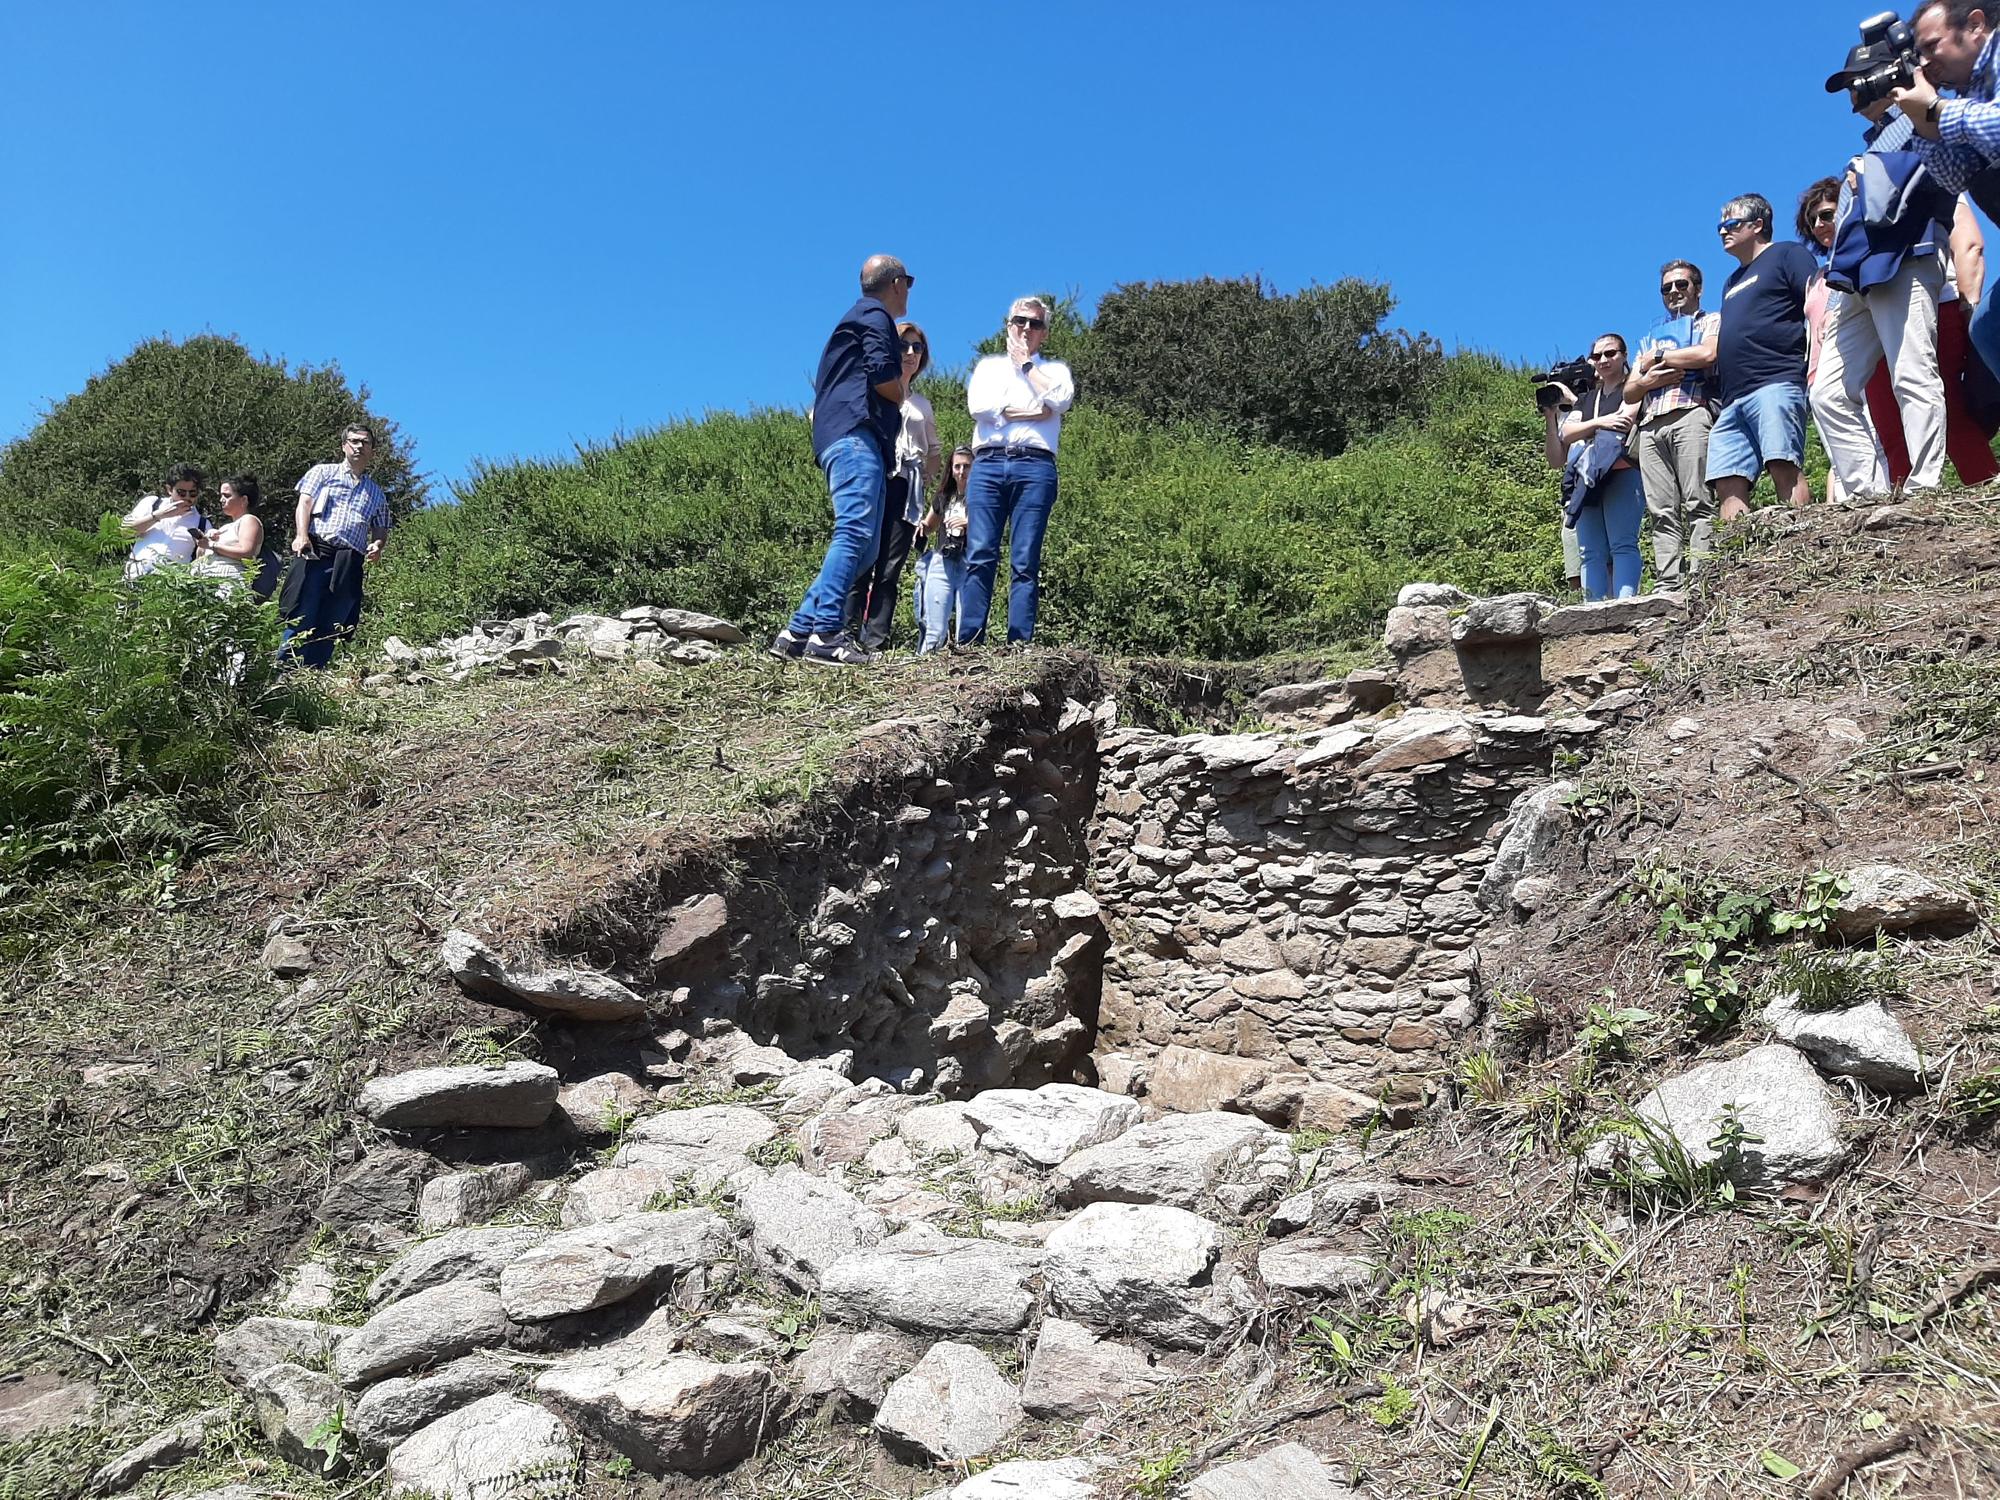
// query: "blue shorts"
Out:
[1765,427]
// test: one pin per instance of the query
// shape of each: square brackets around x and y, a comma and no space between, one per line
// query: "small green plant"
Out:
[1608,1031]
[1430,1244]
[1976,1100]
[1657,1169]
[795,1324]
[325,1439]
[1157,1475]
[1821,980]
[1394,1406]
[1819,902]
[1523,1020]
[618,1466]
[1562,1466]
[1481,1078]
[779,1151]
[1311,1140]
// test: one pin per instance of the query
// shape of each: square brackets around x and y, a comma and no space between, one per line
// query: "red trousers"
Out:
[1965,441]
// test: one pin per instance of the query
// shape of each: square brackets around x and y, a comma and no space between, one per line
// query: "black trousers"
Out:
[871,603]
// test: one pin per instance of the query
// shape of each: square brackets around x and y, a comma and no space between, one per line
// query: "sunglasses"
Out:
[1825,216]
[912,347]
[1730,226]
[1597,356]
[1022,321]
[1684,285]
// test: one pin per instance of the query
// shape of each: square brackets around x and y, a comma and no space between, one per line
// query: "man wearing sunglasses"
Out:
[165,523]
[1674,382]
[1761,361]
[857,413]
[1017,401]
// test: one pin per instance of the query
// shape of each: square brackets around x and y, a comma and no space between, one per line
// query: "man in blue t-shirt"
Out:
[1760,361]
[857,411]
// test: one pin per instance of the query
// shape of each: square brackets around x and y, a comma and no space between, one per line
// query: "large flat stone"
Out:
[1863,1042]
[1030,1479]
[1045,1125]
[1604,615]
[925,1282]
[498,1448]
[1142,1269]
[1293,1472]
[953,1406]
[425,1328]
[1179,1160]
[668,1414]
[399,1407]
[1074,1373]
[594,1266]
[707,1145]
[1888,898]
[474,1255]
[519,1094]
[1313,1266]
[799,1225]
[572,994]
[1189,1079]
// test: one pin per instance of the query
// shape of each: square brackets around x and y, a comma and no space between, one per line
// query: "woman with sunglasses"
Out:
[941,569]
[165,523]
[1607,527]
[871,603]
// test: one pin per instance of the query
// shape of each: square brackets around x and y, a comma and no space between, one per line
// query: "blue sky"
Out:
[528,226]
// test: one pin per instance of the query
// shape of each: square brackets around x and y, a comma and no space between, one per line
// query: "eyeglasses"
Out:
[1685,284]
[1020,320]
[912,347]
[1597,356]
[1730,226]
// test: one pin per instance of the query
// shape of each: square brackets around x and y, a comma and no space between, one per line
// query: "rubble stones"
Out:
[1179,1160]
[1442,595]
[596,1265]
[1141,1269]
[470,1197]
[925,1282]
[598,1108]
[1411,630]
[574,994]
[799,1225]
[1887,898]
[1612,614]
[708,1144]
[1313,1266]
[424,1328]
[255,1344]
[1863,1042]
[472,1255]
[616,1192]
[1777,1097]
[1074,1373]
[1045,1125]
[1292,1472]
[162,1450]
[392,1410]
[1506,619]
[1533,831]
[951,1407]
[377,1196]
[671,1414]
[286,956]
[518,1094]
[1187,1078]
[696,930]
[290,1403]
[498,1448]
[855,1368]
[938,1129]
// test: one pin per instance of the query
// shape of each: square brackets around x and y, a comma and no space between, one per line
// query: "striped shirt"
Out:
[1968,127]
[345,507]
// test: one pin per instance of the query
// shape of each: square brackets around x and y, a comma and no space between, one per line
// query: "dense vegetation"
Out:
[1168,537]
[207,400]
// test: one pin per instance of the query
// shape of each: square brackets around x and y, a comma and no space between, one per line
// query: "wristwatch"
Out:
[1931,110]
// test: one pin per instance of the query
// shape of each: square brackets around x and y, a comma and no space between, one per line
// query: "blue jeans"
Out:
[1003,488]
[1608,529]
[1755,431]
[940,576]
[855,479]
[322,605]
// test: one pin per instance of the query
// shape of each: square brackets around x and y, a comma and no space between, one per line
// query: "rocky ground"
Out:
[1706,1206]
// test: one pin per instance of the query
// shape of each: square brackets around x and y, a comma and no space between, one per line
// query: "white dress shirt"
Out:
[997,383]
[166,540]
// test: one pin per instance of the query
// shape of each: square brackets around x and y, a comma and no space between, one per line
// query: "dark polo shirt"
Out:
[861,354]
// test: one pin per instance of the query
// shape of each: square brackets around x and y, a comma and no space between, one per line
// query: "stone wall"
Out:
[1291,917]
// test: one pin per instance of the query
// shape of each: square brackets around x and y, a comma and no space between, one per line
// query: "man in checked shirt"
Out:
[340,523]
[1959,139]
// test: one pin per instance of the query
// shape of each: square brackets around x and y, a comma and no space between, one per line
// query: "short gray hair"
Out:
[1749,206]
[1040,305]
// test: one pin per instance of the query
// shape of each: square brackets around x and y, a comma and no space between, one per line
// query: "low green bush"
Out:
[128,713]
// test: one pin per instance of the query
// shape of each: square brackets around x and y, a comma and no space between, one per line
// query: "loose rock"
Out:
[1179,1160]
[424,1328]
[854,1369]
[388,1412]
[518,1094]
[498,1448]
[1141,1269]
[924,1282]
[255,1344]
[1045,1125]
[599,1264]
[1293,1472]
[800,1225]
[1863,1042]
[471,1197]
[574,994]
[1074,1373]
[1887,898]
[953,1406]
[672,1414]
[469,1255]
[290,1405]
[1315,1266]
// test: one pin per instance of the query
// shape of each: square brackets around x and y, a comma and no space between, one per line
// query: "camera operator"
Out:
[1674,382]
[1886,269]
[1555,394]
[1959,139]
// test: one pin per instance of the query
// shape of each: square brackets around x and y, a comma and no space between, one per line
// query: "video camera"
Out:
[1574,373]
[1885,61]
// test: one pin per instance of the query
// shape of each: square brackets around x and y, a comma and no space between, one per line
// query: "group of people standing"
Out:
[875,438]
[340,521]
[1863,322]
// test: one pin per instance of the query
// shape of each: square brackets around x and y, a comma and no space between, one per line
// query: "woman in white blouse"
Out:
[871,603]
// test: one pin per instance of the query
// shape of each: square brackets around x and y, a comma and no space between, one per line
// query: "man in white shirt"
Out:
[1017,401]
[165,523]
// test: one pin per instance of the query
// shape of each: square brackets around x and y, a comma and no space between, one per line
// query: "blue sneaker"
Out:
[838,650]
[786,646]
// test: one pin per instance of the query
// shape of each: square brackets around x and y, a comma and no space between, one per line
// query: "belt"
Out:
[1013,450]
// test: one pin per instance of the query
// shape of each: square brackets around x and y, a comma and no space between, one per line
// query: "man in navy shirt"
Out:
[857,412]
[1761,361]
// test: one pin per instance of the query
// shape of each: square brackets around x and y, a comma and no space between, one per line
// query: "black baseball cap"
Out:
[1862,58]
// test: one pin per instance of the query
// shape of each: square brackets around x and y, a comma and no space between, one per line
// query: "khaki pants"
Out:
[1896,321]
[1672,451]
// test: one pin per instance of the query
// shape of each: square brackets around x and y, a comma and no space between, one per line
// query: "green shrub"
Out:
[1166,539]
[208,401]
[1312,370]
[126,712]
